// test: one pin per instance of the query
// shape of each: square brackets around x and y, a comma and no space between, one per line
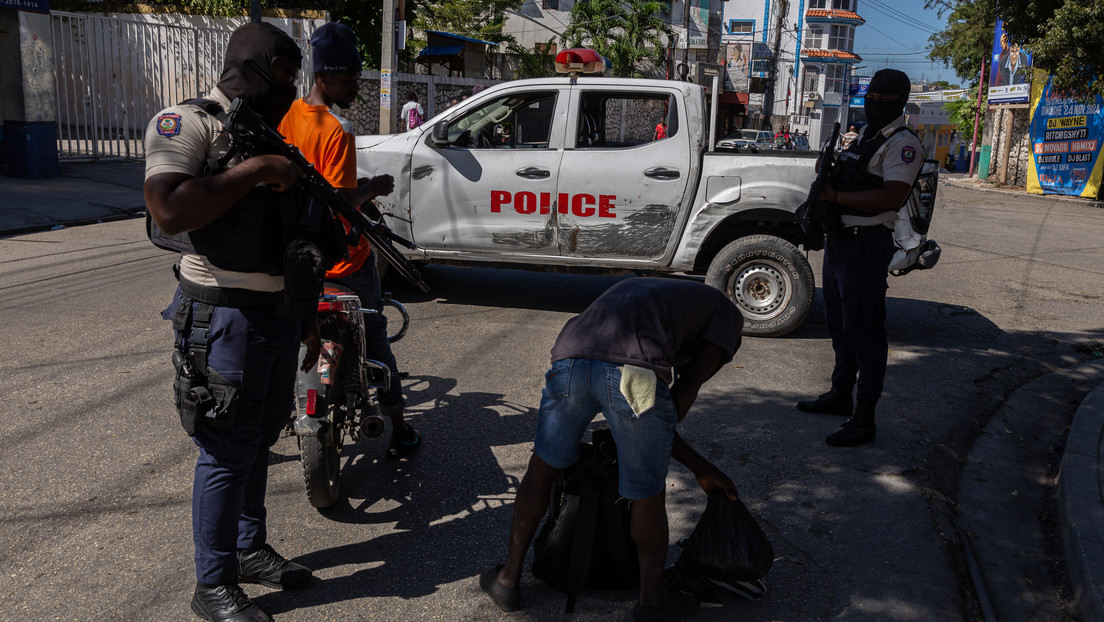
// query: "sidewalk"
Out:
[85,193]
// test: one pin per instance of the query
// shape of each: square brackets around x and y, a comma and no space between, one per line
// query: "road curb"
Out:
[1081,505]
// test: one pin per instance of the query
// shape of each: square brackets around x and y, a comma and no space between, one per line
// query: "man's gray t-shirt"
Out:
[653,323]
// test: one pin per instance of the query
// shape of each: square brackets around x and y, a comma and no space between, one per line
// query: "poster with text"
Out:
[1009,70]
[1066,135]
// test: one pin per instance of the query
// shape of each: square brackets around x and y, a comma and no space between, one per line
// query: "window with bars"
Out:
[550,4]
[812,81]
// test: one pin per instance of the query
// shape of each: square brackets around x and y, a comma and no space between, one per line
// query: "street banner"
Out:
[1009,70]
[1066,136]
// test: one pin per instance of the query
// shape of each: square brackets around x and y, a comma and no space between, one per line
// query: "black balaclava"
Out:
[248,71]
[881,114]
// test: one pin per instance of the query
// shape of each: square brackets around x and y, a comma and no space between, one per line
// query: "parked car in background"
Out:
[747,139]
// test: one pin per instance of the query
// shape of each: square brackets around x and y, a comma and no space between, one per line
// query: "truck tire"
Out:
[770,281]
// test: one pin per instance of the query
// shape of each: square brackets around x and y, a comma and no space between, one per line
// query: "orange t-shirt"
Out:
[325,144]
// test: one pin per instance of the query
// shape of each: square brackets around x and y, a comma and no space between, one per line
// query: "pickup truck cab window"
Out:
[618,120]
[515,121]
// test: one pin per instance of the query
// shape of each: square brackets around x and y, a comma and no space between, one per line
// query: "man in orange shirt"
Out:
[327,141]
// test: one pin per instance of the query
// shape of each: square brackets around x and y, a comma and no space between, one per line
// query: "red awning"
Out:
[733,98]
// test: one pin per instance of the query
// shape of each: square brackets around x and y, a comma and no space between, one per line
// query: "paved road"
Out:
[95,473]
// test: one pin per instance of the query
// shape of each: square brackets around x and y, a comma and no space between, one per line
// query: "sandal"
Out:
[400,447]
[505,598]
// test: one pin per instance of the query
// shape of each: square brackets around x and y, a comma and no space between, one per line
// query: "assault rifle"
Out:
[252,136]
[813,214]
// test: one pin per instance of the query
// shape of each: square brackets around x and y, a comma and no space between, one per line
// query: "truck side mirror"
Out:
[440,134]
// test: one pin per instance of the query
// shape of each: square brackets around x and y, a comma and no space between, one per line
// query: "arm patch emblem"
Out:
[908,154]
[168,124]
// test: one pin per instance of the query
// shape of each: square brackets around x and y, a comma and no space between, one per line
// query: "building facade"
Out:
[801,61]
[695,47]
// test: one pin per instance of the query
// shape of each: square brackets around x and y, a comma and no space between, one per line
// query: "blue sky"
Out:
[896,35]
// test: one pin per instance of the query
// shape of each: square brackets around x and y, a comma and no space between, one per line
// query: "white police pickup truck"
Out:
[572,174]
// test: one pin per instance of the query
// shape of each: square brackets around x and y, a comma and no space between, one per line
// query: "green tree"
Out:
[1063,37]
[965,43]
[963,111]
[624,31]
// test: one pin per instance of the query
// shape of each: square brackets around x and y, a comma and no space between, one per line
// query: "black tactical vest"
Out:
[250,237]
[851,174]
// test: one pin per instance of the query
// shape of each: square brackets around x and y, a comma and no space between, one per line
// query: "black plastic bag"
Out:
[726,550]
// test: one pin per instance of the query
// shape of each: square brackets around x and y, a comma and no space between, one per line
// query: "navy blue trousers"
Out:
[854,286]
[258,351]
[365,283]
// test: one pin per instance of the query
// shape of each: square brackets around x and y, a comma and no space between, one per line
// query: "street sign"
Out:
[761,65]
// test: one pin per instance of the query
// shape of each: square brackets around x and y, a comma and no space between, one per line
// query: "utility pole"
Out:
[977,115]
[772,89]
[387,65]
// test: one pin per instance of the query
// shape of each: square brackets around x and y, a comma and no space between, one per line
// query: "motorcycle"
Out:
[333,398]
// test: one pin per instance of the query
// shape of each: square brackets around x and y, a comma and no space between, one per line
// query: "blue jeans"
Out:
[365,283]
[576,390]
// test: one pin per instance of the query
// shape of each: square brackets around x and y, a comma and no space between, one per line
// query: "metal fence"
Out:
[115,73]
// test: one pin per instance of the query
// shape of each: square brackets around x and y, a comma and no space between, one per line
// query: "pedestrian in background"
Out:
[871,182]
[412,115]
[848,138]
[231,340]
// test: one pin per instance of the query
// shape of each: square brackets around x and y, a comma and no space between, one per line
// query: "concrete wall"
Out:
[1006,130]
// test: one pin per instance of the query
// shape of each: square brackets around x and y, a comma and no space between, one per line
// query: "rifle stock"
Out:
[252,136]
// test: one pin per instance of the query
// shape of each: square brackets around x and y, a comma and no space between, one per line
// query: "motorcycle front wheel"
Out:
[321,462]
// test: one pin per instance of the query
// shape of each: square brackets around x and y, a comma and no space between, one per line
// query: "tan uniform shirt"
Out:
[899,159]
[181,139]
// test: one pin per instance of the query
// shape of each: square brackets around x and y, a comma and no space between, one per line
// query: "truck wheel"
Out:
[770,281]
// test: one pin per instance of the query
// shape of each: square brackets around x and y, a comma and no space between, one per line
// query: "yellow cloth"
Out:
[638,386]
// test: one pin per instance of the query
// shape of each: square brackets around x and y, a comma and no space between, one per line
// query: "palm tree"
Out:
[624,31]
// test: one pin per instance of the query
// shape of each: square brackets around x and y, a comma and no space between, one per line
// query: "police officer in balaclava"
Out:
[871,181]
[235,354]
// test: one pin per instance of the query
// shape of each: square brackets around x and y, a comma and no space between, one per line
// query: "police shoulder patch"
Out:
[168,124]
[908,154]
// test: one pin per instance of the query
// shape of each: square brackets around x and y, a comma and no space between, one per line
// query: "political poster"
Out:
[1009,70]
[1066,136]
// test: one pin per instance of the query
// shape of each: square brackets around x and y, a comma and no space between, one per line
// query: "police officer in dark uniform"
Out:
[872,180]
[237,329]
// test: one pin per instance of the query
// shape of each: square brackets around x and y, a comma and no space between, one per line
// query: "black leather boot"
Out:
[857,430]
[831,403]
[225,603]
[267,567]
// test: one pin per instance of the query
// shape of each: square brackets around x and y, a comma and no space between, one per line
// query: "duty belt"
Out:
[857,231]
